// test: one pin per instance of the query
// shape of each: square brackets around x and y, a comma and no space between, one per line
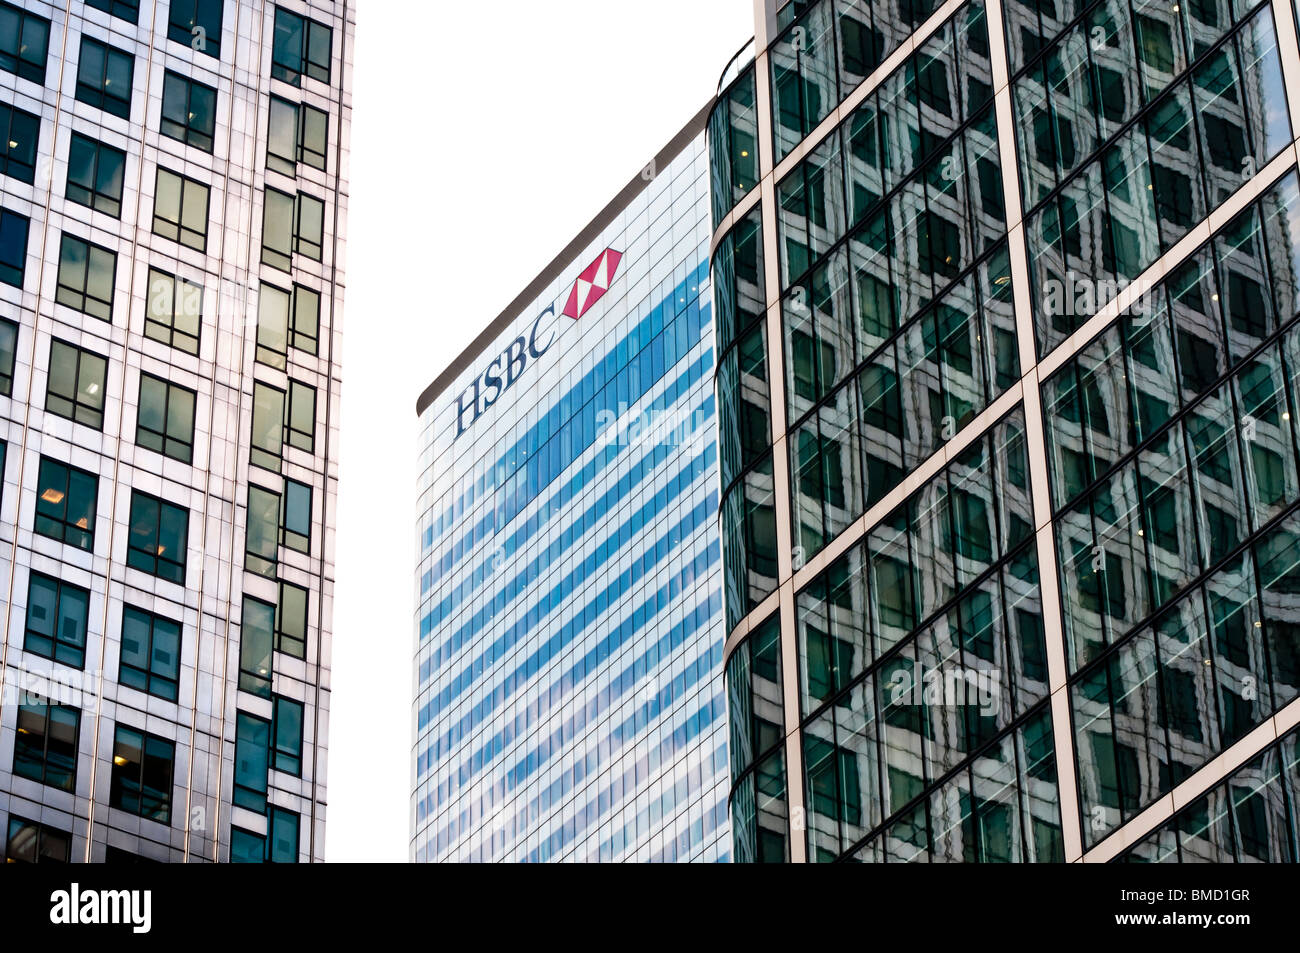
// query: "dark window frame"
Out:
[150,680]
[128,10]
[23,745]
[96,93]
[176,230]
[131,779]
[201,136]
[80,298]
[189,343]
[17,127]
[74,407]
[153,559]
[8,355]
[54,501]
[287,753]
[57,642]
[200,32]
[94,195]
[290,61]
[11,272]
[17,61]
[168,445]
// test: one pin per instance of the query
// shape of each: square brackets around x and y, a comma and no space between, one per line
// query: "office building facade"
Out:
[1008,391]
[568,644]
[174,197]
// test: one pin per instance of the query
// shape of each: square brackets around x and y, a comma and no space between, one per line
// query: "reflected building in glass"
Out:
[172,206]
[569,629]
[1009,390]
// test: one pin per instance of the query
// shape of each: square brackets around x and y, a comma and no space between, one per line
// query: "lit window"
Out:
[104,77]
[159,536]
[189,111]
[65,504]
[141,783]
[75,387]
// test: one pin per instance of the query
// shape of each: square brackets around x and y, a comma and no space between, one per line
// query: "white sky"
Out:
[484,137]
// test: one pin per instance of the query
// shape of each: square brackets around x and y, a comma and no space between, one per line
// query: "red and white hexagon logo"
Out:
[592,283]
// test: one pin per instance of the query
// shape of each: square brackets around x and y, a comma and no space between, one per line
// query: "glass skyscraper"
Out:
[569,627]
[1008,394]
[172,205]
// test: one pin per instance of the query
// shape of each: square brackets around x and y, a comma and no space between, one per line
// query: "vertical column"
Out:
[1035,436]
[764,14]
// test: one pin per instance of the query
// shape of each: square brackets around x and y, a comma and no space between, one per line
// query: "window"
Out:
[104,77]
[8,347]
[159,537]
[300,46]
[277,229]
[24,42]
[304,332]
[19,132]
[252,756]
[295,531]
[291,224]
[296,133]
[197,24]
[267,439]
[246,847]
[165,422]
[256,633]
[95,174]
[65,504]
[291,621]
[151,653]
[284,837]
[174,312]
[280,848]
[13,247]
[302,416]
[309,235]
[128,10]
[262,534]
[142,774]
[56,620]
[287,731]
[272,428]
[75,387]
[286,320]
[45,747]
[86,277]
[189,111]
[33,843]
[180,210]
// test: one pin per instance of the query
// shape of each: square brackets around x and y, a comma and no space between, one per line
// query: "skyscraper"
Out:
[568,632]
[1008,387]
[171,288]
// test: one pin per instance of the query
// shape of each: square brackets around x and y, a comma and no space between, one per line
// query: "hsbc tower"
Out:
[568,631]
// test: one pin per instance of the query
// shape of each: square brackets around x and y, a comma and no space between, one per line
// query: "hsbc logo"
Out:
[592,283]
[508,366]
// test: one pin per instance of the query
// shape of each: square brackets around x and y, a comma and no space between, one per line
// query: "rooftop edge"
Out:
[564,258]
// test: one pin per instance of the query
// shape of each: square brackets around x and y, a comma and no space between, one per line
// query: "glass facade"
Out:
[569,631]
[138,655]
[1010,465]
